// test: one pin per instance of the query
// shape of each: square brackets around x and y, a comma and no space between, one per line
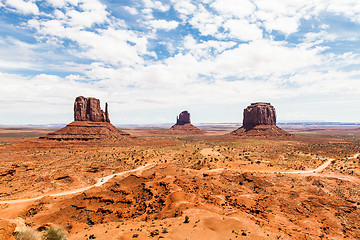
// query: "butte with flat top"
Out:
[90,123]
[260,120]
[183,125]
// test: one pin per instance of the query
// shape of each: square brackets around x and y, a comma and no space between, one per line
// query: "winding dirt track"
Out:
[103,180]
[301,172]
[100,182]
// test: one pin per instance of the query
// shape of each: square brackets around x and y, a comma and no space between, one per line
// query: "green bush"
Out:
[54,234]
[186,219]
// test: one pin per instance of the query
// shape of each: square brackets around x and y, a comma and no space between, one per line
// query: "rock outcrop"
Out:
[183,125]
[260,120]
[90,123]
[259,114]
[88,109]
[183,118]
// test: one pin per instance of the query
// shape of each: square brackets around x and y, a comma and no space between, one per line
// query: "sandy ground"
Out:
[229,188]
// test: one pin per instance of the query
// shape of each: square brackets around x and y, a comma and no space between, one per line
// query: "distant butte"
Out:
[90,123]
[260,120]
[183,125]
[183,118]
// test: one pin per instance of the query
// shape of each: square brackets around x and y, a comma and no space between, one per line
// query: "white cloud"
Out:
[349,8]
[206,49]
[163,24]
[209,67]
[156,5]
[242,30]
[206,22]
[17,55]
[264,58]
[284,16]
[57,3]
[131,10]
[24,7]
[236,8]
[93,12]
[320,37]
[184,7]
[113,44]
[79,13]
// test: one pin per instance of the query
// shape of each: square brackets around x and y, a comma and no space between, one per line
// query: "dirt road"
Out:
[100,182]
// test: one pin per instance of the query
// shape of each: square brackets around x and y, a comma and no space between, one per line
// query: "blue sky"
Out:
[152,59]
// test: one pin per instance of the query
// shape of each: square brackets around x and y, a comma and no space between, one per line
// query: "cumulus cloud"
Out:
[242,30]
[24,7]
[218,52]
[163,24]
[113,44]
[131,10]
[185,7]
[156,5]
[350,8]
[235,8]
[206,22]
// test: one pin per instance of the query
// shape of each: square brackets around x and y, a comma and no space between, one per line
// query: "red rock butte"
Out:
[183,125]
[90,123]
[88,109]
[260,120]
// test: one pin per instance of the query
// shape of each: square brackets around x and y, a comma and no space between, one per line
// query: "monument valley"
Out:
[180,186]
[265,94]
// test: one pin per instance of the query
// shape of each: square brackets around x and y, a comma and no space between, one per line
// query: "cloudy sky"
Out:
[152,59]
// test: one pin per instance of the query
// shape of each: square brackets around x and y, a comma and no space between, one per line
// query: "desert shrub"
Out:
[54,234]
[186,219]
[27,234]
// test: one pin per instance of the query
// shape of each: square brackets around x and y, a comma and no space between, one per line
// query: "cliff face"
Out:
[259,114]
[88,109]
[183,118]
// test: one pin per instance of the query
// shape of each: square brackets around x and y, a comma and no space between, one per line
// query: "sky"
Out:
[152,59]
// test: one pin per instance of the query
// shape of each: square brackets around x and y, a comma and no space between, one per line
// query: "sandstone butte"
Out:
[183,125]
[88,109]
[90,123]
[260,120]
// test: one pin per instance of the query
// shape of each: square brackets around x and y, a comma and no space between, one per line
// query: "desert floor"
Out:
[306,186]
